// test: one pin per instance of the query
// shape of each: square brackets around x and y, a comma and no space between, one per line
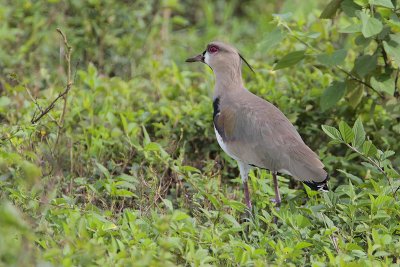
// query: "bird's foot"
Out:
[277,207]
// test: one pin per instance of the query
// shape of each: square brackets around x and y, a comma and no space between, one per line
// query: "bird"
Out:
[252,130]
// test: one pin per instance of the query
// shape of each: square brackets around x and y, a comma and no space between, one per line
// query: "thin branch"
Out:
[49,107]
[350,75]
[396,88]
[360,81]
[384,54]
[375,165]
[69,84]
[42,112]
[63,94]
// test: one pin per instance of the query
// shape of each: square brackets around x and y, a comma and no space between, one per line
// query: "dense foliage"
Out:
[124,169]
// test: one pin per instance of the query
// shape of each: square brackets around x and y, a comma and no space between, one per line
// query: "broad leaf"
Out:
[369,149]
[353,28]
[370,26]
[350,8]
[103,170]
[356,93]
[365,64]
[395,38]
[290,59]
[152,147]
[346,132]
[384,3]
[332,95]
[332,132]
[393,49]
[271,39]
[331,59]
[330,10]
[383,83]
[359,133]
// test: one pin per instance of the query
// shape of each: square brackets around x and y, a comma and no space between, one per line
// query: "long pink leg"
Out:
[277,194]
[247,194]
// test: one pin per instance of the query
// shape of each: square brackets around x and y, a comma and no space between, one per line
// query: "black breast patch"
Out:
[216,108]
[216,114]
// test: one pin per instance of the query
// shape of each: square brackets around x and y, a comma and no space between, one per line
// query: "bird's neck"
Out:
[228,80]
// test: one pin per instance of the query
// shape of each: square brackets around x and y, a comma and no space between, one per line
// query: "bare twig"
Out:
[62,95]
[68,87]
[351,76]
[396,88]
[42,112]
[384,54]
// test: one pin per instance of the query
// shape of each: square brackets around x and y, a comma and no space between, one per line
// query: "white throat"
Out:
[207,58]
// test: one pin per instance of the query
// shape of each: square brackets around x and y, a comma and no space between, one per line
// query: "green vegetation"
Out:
[125,169]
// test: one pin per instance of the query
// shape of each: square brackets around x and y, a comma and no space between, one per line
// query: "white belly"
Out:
[225,148]
[223,145]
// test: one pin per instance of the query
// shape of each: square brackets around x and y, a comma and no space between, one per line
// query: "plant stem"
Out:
[68,87]
[374,164]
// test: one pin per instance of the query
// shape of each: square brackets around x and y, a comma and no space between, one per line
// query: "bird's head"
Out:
[220,56]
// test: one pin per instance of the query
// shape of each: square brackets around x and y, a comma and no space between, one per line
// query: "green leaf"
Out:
[384,3]
[369,149]
[179,215]
[229,218]
[332,59]
[370,26]
[109,226]
[123,193]
[353,28]
[394,23]
[152,147]
[356,93]
[302,221]
[332,95]
[30,172]
[365,64]
[124,123]
[330,10]
[302,245]
[388,154]
[272,39]
[395,38]
[290,59]
[332,132]
[383,83]
[189,169]
[11,216]
[359,133]
[392,48]
[346,132]
[103,170]
[350,8]
[168,204]
[146,137]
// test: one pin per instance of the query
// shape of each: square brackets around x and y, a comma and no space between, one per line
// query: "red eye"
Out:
[212,49]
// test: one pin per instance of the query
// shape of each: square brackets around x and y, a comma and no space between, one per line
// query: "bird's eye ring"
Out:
[213,49]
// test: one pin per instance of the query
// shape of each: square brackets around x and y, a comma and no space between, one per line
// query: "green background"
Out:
[133,176]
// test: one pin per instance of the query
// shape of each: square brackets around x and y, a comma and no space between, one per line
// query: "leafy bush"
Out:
[130,173]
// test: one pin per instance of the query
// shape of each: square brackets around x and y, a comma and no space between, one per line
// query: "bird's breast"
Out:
[224,145]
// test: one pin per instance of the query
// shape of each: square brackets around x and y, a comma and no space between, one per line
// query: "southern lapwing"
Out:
[253,131]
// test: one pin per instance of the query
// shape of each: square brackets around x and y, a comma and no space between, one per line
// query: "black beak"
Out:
[196,58]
